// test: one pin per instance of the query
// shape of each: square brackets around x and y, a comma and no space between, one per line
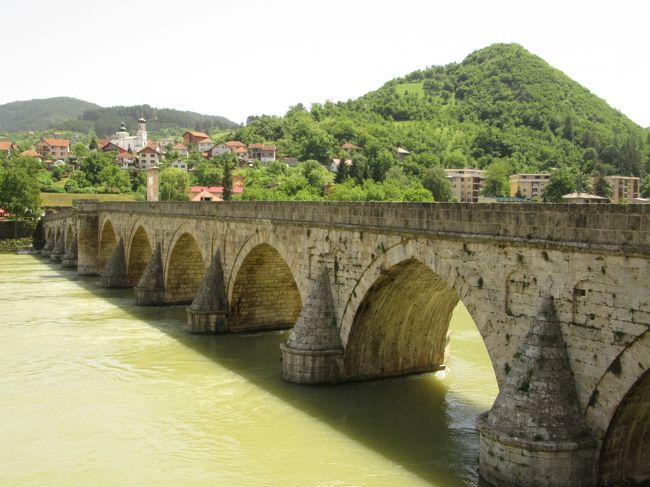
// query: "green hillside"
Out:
[70,114]
[41,114]
[107,120]
[501,103]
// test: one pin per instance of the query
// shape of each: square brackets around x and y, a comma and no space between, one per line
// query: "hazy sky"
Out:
[247,57]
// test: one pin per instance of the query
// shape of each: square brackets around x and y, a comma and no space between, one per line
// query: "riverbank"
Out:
[10,246]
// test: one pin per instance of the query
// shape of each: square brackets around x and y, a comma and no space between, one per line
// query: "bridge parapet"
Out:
[626,226]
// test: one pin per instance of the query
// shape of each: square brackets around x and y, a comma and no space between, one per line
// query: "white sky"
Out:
[249,57]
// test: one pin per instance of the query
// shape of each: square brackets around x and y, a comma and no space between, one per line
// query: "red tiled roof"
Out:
[6,145]
[214,189]
[29,153]
[57,142]
[270,147]
[235,143]
[198,135]
[348,146]
[148,149]
[179,146]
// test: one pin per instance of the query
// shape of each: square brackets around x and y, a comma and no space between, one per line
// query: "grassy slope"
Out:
[65,199]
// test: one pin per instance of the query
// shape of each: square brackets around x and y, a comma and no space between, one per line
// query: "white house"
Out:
[181,150]
[205,145]
[147,157]
[262,152]
[334,165]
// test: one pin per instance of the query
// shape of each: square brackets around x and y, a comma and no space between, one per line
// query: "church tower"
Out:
[141,134]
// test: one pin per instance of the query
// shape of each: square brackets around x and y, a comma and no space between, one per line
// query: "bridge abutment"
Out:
[208,313]
[535,434]
[313,353]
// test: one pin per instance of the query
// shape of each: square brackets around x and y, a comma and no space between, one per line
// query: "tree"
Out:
[208,173]
[603,188]
[497,182]
[645,187]
[114,179]
[174,185]
[19,192]
[435,180]
[76,182]
[561,182]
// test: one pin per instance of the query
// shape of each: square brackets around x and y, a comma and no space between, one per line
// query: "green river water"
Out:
[97,391]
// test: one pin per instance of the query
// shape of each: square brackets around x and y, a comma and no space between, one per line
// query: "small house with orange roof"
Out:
[32,153]
[192,137]
[262,152]
[181,149]
[53,148]
[204,145]
[7,147]
[126,160]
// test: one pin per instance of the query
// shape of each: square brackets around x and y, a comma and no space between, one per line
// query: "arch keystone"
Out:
[313,353]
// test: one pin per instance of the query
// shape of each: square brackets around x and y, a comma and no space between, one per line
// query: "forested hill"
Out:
[41,114]
[501,103]
[77,115]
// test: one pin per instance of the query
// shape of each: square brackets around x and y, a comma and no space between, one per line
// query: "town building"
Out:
[148,157]
[180,164]
[624,188]
[262,152]
[583,198]
[214,193]
[192,137]
[181,149]
[136,142]
[336,163]
[32,153]
[204,145]
[125,160]
[401,153]
[53,148]
[529,186]
[350,147]
[466,184]
[7,147]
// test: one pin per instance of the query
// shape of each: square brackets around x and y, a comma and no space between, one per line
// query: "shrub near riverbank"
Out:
[11,245]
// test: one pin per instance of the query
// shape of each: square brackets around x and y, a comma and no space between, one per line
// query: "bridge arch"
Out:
[184,269]
[397,318]
[262,289]
[107,243]
[140,250]
[619,413]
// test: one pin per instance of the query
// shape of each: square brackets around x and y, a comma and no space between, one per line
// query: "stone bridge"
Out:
[559,293]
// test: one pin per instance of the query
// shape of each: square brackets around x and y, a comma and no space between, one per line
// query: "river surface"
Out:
[97,391]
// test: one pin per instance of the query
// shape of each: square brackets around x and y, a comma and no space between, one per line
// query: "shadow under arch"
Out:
[185,270]
[70,234]
[107,243]
[396,321]
[264,293]
[625,455]
[139,254]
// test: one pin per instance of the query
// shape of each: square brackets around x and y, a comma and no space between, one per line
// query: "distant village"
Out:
[137,152]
